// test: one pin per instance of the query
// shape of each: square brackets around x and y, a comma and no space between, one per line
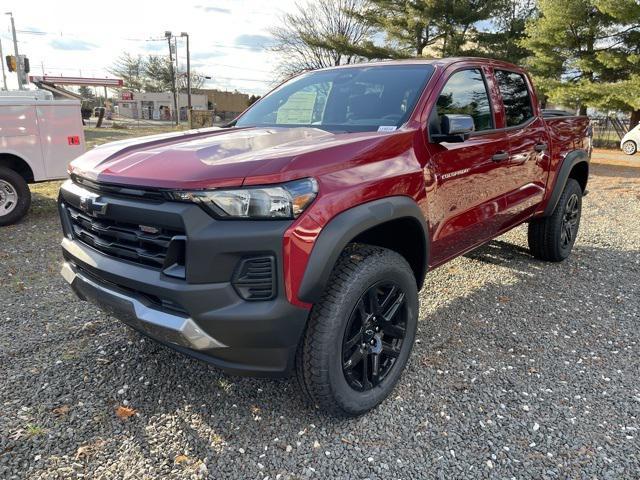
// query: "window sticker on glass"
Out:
[387,128]
[298,109]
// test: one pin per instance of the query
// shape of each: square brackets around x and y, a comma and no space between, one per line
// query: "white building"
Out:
[156,105]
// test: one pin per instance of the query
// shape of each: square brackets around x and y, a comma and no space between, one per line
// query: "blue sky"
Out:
[229,38]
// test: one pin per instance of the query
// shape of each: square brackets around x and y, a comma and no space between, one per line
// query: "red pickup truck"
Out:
[296,238]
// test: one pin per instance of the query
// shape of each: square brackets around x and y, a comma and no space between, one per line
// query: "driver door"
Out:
[470,176]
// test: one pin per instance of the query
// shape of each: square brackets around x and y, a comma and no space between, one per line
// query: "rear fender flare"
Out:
[343,228]
[571,160]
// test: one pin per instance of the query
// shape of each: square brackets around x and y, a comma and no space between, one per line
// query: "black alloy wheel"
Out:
[569,228]
[374,335]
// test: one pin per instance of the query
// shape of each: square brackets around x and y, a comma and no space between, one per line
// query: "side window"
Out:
[515,97]
[464,93]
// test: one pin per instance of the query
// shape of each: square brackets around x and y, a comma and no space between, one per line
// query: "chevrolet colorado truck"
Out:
[296,238]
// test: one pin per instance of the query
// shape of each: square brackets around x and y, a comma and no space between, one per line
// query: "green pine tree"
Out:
[586,52]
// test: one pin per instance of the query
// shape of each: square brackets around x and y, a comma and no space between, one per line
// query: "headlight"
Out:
[287,200]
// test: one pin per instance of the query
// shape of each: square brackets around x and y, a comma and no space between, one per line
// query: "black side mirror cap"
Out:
[454,128]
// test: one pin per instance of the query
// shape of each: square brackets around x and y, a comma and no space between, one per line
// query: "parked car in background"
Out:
[297,238]
[39,136]
[631,141]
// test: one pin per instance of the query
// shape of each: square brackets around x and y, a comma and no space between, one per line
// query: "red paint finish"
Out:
[466,196]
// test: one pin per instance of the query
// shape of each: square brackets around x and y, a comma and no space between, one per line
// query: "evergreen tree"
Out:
[502,39]
[586,52]
[439,28]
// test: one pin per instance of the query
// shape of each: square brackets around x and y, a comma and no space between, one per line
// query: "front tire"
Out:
[15,197]
[629,147]
[552,238]
[360,333]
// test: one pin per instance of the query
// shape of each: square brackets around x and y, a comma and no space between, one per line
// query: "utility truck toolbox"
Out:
[296,238]
[39,136]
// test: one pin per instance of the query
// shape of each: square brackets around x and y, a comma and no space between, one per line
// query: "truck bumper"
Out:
[240,337]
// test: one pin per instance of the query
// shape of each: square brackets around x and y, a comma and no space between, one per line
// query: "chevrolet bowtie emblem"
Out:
[92,205]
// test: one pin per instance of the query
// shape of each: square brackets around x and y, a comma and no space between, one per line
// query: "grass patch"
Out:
[34,430]
[98,136]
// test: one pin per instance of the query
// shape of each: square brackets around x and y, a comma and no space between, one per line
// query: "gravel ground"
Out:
[522,370]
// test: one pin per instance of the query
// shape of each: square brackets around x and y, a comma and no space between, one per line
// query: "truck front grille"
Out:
[144,245]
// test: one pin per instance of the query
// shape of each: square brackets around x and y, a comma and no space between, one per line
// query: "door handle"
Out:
[540,147]
[500,156]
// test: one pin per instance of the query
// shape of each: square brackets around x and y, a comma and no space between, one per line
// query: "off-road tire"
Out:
[19,187]
[319,360]
[546,237]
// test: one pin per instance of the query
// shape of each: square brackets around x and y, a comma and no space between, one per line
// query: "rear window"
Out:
[515,97]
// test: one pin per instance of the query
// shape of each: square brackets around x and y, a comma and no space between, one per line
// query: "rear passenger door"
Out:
[528,148]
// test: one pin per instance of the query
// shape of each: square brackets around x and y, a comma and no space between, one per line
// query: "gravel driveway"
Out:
[522,369]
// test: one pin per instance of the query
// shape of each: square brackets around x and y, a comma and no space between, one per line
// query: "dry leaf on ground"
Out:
[61,410]
[85,451]
[123,412]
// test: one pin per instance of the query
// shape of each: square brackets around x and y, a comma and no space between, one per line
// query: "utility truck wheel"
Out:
[360,334]
[552,238]
[15,197]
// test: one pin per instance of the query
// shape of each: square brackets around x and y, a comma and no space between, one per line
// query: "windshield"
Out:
[349,99]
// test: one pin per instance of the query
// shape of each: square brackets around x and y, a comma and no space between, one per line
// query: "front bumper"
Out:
[203,314]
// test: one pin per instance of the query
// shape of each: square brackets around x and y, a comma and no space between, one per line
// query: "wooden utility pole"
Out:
[185,34]
[172,71]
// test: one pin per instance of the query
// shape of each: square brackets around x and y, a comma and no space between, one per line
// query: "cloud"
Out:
[254,42]
[213,9]
[71,44]
[155,46]
[207,55]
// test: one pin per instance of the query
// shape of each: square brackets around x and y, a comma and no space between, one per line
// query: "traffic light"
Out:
[25,64]
[12,64]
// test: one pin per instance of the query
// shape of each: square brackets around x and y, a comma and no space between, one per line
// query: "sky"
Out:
[229,39]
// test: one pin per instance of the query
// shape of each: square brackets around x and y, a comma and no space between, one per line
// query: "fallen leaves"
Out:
[124,413]
[61,411]
[180,459]
[85,451]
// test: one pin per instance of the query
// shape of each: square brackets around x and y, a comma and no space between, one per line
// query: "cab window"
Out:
[515,97]
[464,93]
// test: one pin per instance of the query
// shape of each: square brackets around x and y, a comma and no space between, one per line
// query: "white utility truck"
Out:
[39,136]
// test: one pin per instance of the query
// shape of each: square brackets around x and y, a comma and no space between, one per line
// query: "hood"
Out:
[209,158]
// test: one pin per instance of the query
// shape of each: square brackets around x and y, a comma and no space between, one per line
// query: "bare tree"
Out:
[313,36]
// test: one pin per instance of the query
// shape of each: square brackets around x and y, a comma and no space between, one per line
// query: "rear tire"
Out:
[15,197]
[629,147]
[552,238]
[360,333]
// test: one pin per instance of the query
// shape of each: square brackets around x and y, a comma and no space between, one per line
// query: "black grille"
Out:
[123,240]
[255,278]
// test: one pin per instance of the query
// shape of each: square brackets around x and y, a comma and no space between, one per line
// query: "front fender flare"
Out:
[343,228]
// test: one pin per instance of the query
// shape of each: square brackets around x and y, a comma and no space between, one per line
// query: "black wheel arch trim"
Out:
[347,225]
[571,160]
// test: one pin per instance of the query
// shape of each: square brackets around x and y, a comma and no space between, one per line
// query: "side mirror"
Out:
[454,128]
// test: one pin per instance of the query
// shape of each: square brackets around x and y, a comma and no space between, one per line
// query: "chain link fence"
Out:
[608,131]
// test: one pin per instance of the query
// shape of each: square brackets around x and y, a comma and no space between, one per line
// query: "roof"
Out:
[443,62]
[20,101]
